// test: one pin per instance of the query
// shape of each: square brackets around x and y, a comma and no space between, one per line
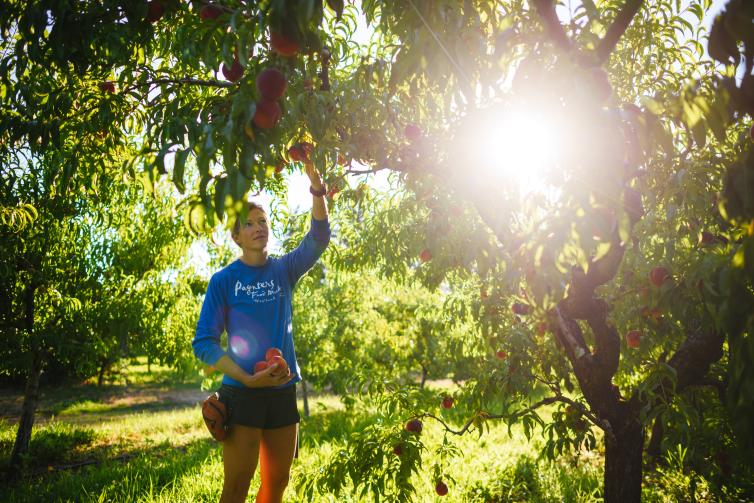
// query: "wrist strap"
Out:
[319,193]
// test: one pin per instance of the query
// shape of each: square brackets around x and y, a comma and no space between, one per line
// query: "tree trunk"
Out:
[623,463]
[424,377]
[31,400]
[305,394]
[31,393]
[101,376]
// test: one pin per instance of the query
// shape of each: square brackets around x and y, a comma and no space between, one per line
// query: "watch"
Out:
[319,193]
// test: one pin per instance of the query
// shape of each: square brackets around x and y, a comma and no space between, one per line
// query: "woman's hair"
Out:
[237,223]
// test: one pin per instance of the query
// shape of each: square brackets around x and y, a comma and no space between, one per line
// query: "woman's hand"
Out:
[267,378]
[313,174]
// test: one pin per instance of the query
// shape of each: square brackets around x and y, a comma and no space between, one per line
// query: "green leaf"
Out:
[179,166]
[221,186]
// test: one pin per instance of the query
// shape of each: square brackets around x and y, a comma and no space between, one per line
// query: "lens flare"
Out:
[516,146]
[239,346]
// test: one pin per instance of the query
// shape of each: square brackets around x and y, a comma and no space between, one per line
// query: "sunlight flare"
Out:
[513,146]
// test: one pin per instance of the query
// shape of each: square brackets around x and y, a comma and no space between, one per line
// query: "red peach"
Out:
[234,73]
[271,84]
[267,114]
[658,276]
[283,45]
[414,426]
[441,489]
[520,309]
[272,352]
[633,338]
[107,86]
[155,11]
[210,11]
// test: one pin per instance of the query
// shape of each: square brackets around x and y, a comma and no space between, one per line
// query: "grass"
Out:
[101,448]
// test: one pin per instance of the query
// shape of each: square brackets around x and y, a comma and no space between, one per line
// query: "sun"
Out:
[512,146]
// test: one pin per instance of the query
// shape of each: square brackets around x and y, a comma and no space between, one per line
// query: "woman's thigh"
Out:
[240,453]
[278,446]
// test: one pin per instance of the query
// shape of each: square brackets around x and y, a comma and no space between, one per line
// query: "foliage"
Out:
[357,327]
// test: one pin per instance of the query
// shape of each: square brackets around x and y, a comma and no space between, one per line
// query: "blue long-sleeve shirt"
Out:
[253,305]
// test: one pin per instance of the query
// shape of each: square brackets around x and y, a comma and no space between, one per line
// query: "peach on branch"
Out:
[520,309]
[210,11]
[333,190]
[234,73]
[414,426]
[300,151]
[658,275]
[447,402]
[155,10]
[425,255]
[267,114]
[283,45]
[107,86]
[633,338]
[441,488]
[271,84]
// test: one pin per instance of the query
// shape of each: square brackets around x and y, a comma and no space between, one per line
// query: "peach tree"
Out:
[578,181]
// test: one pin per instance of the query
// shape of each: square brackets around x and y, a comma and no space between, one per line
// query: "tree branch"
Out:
[603,425]
[187,80]
[617,29]
[546,11]
[569,334]
[694,357]
[364,171]
[467,426]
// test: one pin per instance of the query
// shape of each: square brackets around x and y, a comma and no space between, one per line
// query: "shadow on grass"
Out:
[143,472]
[50,444]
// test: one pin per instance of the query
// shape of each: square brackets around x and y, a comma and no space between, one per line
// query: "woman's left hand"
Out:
[313,174]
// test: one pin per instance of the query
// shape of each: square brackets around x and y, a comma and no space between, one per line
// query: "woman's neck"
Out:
[254,257]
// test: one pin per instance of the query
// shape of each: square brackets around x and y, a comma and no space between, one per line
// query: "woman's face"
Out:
[254,233]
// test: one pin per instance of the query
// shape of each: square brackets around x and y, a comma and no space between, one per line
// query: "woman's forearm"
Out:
[262,379]
[319,209]
[231,368]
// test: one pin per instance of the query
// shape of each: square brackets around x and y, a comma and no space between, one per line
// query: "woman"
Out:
[250,299]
